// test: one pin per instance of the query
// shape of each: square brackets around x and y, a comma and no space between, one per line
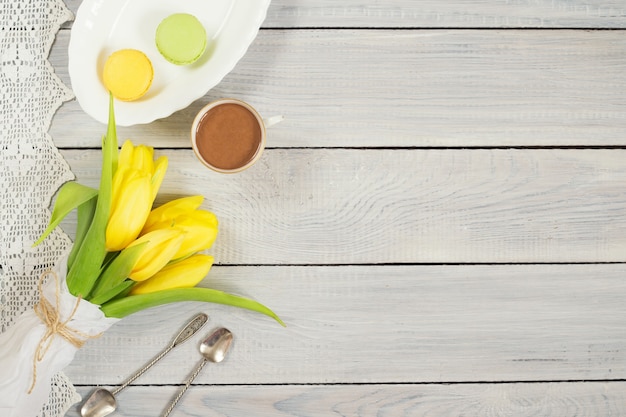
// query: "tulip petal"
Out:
[170,210]
[126,154]
[161,247]
[118,184]
[200,228]
[207,218]
[130,211]
[142,159]
[160,167]
[184,274]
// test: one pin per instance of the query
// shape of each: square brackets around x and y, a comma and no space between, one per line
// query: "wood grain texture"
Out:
[381,88]
[443,14]
[386,324]
[317,206]
[588,399]
[397,270]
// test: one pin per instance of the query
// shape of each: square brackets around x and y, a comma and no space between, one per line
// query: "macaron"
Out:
[181,38]
[127,74]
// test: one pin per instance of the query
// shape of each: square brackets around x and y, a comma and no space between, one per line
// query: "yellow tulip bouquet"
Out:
[126,257]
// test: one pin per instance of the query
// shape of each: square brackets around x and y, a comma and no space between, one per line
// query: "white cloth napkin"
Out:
[25,384]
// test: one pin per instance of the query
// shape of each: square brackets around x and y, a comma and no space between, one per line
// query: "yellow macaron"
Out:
[128,74]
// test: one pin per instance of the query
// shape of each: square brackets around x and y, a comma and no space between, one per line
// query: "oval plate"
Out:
[104,26]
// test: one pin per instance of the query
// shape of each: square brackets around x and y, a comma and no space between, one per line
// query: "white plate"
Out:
[104,26]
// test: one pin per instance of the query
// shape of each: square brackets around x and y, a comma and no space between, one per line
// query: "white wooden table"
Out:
[440,220]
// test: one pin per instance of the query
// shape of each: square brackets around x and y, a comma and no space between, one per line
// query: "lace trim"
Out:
[32,167]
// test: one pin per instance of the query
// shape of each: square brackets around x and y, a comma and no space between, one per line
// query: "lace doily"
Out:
[31,168]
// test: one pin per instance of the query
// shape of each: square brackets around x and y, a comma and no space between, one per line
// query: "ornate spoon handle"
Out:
[189,330]
[184,389]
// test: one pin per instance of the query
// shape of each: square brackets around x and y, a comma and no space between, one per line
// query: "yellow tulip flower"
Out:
[200,231]
[135,185]
[170,210]
[161,246]
[183,274]
[131,192]
[199,226]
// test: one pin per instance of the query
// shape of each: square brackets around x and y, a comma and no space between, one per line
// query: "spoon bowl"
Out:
[101,403]
[213,349]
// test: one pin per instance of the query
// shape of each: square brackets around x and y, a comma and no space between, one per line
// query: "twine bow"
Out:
[51,317]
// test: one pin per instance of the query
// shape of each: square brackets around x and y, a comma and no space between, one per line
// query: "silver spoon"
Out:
[102,402]
[214,349]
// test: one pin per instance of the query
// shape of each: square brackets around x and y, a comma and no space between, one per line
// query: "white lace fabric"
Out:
[31,167]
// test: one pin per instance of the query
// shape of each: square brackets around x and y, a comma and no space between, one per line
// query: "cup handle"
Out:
[271,121]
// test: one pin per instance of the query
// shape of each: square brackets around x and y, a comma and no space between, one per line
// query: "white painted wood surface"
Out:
[415,88]
[443,14]
[423,267]
[350,206]
[520,400]
[389,324]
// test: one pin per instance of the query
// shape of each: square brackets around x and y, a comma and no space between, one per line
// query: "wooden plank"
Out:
[443,14]
[588,399]
[386,324]
[424,89]
[319,206]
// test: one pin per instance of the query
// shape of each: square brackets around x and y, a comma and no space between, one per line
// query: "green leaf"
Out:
[110,144]
[82,277]
[115,273]
[85,215]
[70,196]
[125,292]
[112,292]
[128,305]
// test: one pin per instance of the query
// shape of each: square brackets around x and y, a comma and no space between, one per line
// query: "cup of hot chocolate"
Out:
[228,135]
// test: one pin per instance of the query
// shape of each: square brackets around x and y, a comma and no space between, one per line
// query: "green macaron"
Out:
[181,38]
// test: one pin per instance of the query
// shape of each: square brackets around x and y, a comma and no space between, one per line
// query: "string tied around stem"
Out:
[50,315]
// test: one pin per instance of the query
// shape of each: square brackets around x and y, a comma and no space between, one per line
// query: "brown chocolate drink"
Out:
[228,136]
